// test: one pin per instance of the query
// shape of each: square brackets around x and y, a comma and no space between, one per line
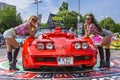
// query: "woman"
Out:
[26,28]
[91,27]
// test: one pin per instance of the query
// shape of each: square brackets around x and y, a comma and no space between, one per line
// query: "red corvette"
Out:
[58,49]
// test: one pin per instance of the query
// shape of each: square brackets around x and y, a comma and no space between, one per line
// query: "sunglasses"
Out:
[87,18]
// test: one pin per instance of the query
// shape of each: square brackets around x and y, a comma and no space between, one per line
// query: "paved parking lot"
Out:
[115,53]
[70,72]
[3,51]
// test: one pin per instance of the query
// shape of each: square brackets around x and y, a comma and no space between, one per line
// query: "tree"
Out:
[64,6]
[108,23]
[71,20]
[69,17]
[8,18]
[18,19]
[116,28]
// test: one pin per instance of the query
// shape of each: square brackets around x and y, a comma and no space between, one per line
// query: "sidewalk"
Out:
[115,53]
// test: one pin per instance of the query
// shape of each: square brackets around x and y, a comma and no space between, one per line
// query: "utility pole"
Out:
[79,24]
[37,2]
[78,10]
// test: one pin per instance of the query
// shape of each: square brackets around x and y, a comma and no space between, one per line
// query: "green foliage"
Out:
[43,25]
[18,19]
[116,28]
[108,23]
[70,18]
[8,18]
[64,6]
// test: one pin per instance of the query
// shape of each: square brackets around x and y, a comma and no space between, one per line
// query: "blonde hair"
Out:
[33,18]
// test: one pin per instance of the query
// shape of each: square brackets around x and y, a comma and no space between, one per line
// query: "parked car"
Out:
[2,40]
[59,49]
[115,36]
[20,39]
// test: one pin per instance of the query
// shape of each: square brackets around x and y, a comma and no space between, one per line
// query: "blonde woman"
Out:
[26,28]
[91,27]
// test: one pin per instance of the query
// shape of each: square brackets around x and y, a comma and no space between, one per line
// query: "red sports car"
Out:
[58,49]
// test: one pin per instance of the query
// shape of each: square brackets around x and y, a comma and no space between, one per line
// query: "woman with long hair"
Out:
[91,27]
[28,27]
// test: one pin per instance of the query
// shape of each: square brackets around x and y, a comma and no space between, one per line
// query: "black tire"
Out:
[26,69]
[87,67]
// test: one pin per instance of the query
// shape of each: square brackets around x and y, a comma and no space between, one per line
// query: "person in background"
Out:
[91,27]
[28,27]
[71,30]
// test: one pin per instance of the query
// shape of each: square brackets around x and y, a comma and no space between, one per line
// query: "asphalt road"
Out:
[114,53]
[3,51]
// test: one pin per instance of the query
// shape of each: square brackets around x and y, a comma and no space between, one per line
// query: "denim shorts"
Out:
[10,33]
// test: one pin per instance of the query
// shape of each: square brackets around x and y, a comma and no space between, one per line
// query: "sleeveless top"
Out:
[21,29]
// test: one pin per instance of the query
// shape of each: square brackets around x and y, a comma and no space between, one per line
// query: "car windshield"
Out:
[41,31]
[46,30]
[20,39]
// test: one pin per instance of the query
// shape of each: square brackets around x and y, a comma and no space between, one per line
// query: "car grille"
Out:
[47,59]
[51,59]
[77,58]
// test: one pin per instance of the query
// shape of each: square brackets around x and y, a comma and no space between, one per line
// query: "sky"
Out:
[100,8]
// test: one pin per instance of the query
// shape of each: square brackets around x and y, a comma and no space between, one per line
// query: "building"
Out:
[4,4]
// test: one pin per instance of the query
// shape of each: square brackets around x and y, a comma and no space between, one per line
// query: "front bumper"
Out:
[35,58]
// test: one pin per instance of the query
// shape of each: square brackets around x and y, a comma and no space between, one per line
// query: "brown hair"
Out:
[32,18]
[94,22]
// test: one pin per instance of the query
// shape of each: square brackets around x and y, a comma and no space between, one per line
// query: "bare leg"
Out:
[11,42]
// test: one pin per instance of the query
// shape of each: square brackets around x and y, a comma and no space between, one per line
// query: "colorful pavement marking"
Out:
[94,74]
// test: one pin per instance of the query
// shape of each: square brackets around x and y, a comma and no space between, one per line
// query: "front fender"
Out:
[26,58]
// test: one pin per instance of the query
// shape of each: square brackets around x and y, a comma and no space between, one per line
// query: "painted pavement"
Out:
[76,73]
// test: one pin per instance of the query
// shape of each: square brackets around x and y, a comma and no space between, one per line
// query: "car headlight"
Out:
[49,46]
[40,46]
[84,45]
[77,45]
